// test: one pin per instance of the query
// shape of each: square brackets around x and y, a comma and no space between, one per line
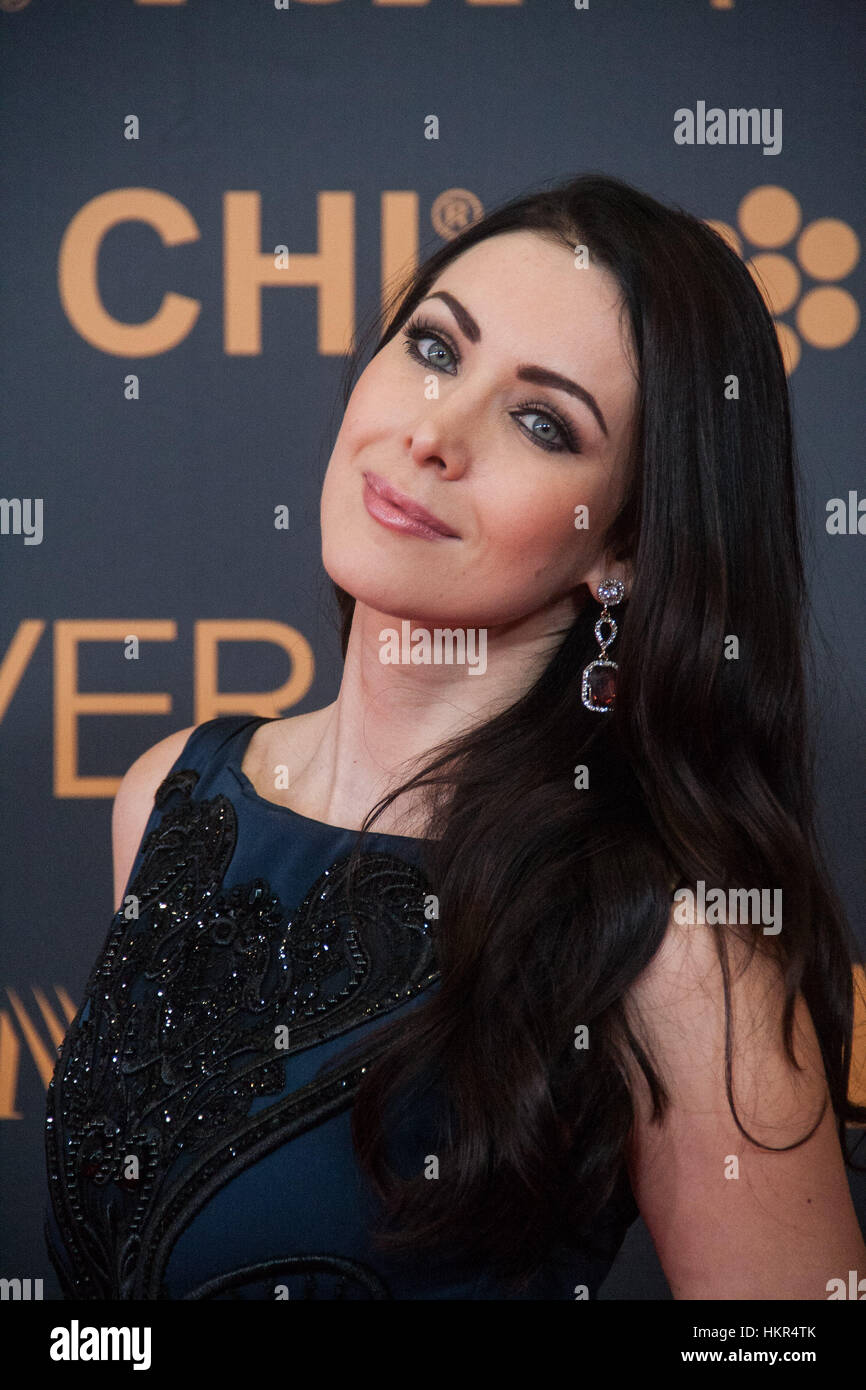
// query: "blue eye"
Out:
[530,408]
[418,331]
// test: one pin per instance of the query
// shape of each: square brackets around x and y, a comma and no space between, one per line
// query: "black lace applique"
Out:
[177,1037]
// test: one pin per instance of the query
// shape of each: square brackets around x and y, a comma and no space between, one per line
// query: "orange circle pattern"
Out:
[826,316]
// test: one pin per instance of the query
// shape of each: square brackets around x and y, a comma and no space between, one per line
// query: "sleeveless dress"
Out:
[195,1147]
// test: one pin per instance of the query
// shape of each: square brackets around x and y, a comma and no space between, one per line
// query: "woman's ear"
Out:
[610,569]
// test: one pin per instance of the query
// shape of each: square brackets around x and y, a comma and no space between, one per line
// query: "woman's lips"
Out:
[391,508]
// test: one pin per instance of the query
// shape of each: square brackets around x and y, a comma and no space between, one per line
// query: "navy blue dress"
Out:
[196,1148]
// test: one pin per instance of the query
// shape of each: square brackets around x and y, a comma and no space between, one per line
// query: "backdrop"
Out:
[202,201]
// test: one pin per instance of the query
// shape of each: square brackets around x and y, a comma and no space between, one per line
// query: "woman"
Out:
[457,1062]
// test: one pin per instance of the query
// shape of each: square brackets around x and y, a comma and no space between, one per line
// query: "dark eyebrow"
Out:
[540,376]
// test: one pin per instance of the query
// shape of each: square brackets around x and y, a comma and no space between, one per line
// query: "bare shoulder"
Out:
[735,1215]
[678,1006]
[133,803]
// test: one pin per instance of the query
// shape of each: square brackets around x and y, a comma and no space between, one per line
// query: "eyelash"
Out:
[420,328]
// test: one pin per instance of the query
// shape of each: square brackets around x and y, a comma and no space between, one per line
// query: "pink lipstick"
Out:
[399,512]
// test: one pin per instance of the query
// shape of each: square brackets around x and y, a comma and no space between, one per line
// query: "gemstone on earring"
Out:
[598,689]
[611,591]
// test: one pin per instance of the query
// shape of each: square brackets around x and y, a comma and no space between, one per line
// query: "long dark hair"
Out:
[552,901]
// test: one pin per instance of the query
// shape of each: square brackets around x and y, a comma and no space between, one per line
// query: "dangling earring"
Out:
[598,689]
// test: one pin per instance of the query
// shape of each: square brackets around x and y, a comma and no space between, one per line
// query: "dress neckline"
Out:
[233,763]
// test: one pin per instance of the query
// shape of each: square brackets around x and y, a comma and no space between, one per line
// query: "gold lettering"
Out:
[857,1079]
[210,701]
[331,269]
[399,217]
[17,659]
[10,1047]
[70,703]
[78,272]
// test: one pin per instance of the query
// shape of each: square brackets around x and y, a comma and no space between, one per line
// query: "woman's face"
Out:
[502,462]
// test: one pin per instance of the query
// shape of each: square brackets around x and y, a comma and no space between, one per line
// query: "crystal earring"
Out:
[598,689]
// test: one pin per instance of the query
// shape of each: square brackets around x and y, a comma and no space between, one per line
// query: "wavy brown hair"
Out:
[551,901]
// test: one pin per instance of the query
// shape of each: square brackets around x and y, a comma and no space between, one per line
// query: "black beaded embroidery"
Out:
[176,1039]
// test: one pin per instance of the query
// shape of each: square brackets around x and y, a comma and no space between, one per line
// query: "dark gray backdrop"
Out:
[161,508]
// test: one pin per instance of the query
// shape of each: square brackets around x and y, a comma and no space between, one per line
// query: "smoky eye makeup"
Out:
[418,328]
